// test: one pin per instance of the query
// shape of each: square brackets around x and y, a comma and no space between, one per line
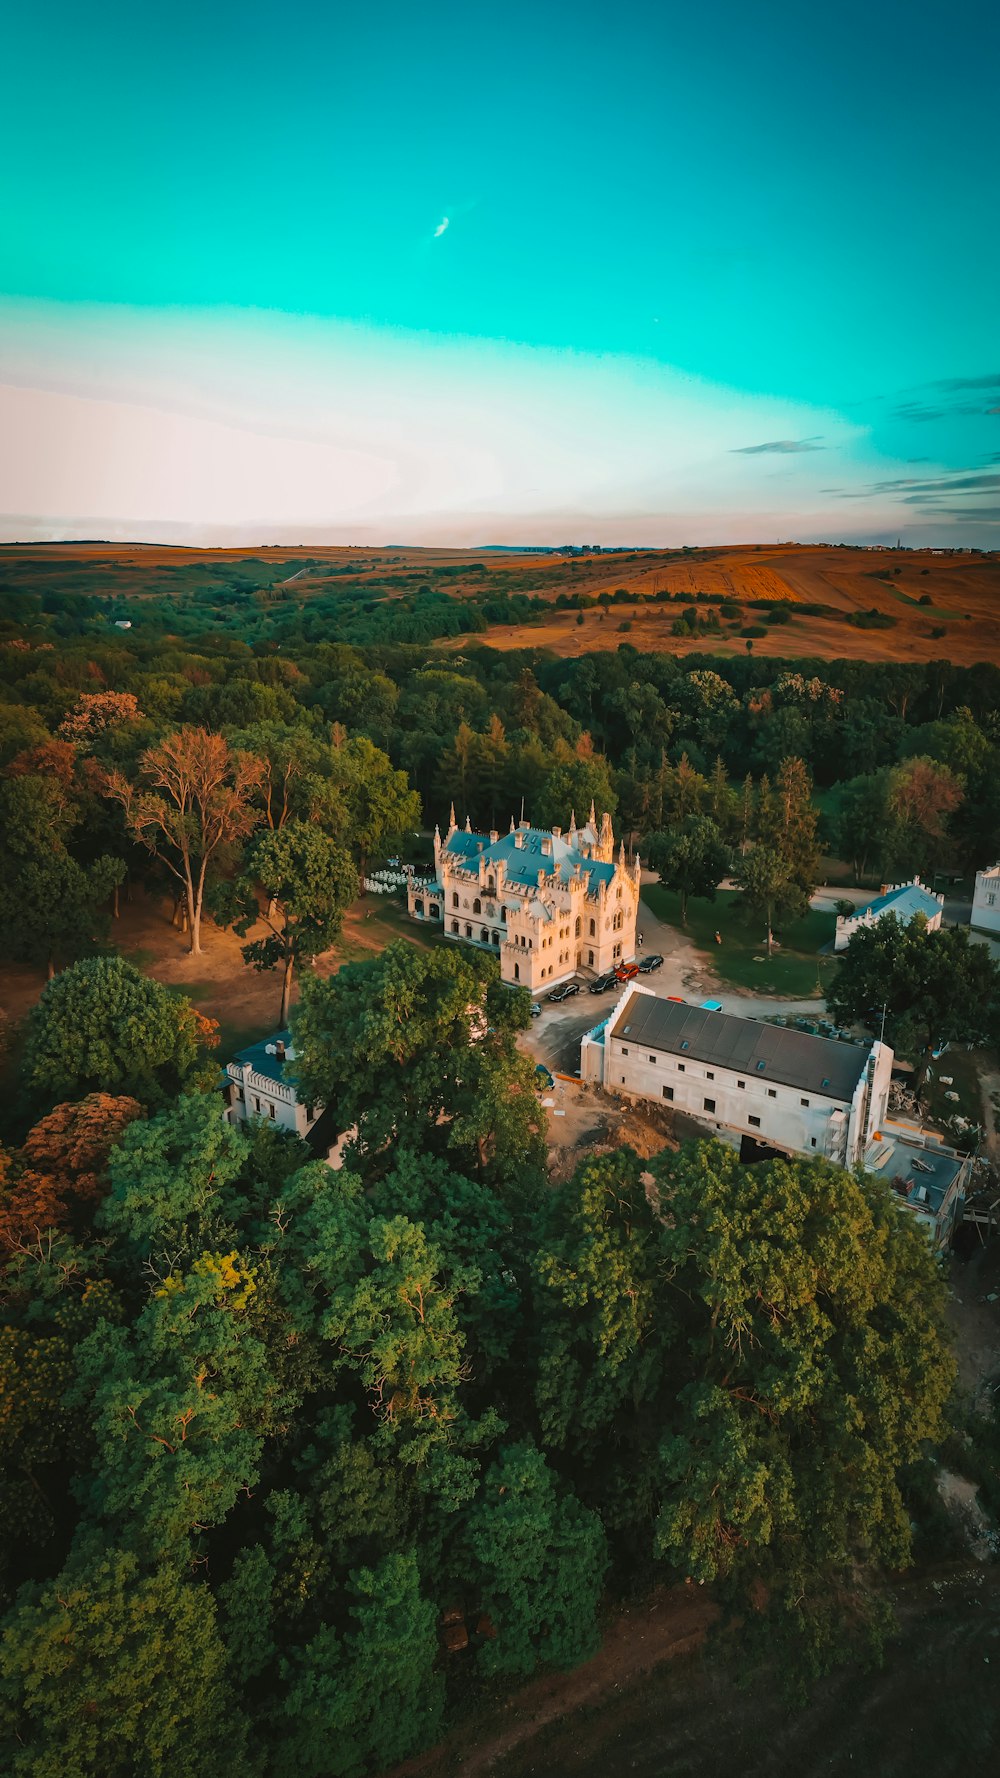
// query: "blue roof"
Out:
[904,903]
[523,862]
[256,1056]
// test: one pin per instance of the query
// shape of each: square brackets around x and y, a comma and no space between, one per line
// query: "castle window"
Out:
[593,930]
[755,1121]
[668,1092]
[709,1104]
[491,887]
[477,906]
[579,923]
[468,932]
[454,926]
[454,899]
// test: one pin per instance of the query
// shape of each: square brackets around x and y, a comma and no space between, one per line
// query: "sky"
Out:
[500,274]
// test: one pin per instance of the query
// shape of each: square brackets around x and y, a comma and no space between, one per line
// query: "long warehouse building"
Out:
[760,1087]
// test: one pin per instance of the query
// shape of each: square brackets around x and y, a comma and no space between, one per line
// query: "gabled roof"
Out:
[904,903]
[759,1052]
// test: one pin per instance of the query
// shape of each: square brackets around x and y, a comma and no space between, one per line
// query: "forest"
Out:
[301,1464]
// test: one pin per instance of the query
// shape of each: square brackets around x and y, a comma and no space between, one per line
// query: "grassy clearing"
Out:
[796,970]
[961,1067]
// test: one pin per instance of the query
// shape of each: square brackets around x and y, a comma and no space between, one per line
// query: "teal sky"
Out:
[664,224]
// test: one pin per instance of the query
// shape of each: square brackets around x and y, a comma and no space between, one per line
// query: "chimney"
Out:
[519,841]
[279,1049]
[494,836]
[557,833]
[547,846]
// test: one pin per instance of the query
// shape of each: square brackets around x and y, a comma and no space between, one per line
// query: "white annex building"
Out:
[257,1087]
[756,1086]
[986,900]
[546,903]
[905,900]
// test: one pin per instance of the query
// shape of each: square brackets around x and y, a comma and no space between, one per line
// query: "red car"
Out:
[626,972]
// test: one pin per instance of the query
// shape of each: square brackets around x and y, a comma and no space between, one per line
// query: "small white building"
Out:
[986,900]
[905,900]
[259,1089]
[759,1087]
[547,904]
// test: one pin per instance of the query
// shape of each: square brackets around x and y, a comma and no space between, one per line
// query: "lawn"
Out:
[960,1068]
[795,970]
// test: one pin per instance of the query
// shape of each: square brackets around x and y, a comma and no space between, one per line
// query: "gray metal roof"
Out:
[756,1051]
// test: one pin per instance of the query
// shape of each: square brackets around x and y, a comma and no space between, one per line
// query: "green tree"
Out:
[762,877]
[418,1049]
[815,1343]
[691,860]
[298,883]
[110,1669]
[102,1026]
[538,1558]
[360,1701]
[381,807]
[935,986]
[51,906]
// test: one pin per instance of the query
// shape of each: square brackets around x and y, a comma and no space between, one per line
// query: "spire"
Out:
[437,831]
[452,824]
[572,821]
[593,815]
[468,825]
[512,824]
[621,855]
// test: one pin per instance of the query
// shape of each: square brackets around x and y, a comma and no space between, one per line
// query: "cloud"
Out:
[442,225]
[781,446]
[988,382]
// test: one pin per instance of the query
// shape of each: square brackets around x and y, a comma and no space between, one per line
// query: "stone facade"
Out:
[547,904]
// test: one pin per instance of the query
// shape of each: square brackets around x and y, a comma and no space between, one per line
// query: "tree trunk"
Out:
[286,987]
[50,968]
[194,920]
[115,909]
[769,933]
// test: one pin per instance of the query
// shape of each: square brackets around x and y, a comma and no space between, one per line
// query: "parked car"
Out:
[626,972]
[648,964]
[711,1005]
[603,983]
[564,992]
[536,1011]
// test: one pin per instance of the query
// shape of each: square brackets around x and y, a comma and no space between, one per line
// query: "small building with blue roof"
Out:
[904,900]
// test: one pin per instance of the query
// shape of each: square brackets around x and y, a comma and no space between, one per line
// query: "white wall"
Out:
[986,901]
[263,1097]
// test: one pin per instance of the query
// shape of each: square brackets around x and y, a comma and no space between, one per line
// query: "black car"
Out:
[565,992]
[602,984]
[648,964]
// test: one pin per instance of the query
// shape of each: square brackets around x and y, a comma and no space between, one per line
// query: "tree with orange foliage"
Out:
[97,711]
[60,1166]
[192,805]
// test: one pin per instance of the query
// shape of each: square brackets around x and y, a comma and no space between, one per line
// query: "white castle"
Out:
[548,904]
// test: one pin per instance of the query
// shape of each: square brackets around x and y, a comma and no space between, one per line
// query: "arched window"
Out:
[590,958]
[418,907]
[435,911]
[491,887]
[484,936]
[576,933]
[454,926]
[496,938]
[454,899]
[517,972]
[503,915]
[593,929]
[468,932]
[477,906]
